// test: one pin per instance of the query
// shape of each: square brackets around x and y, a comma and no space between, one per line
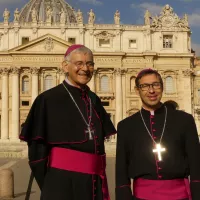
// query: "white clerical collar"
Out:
[151,111]
[68,81]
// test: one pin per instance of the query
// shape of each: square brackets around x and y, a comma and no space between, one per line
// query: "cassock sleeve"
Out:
[193,153]
[123,183]
[107,124]
[34,132]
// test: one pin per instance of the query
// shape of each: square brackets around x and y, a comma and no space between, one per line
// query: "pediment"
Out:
[44,44]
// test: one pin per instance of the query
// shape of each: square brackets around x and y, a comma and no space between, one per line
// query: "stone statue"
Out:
[91,18]
[117,17]
[16,15]
[62,16]
[167,10]
[156,22]
[34,15]
[49,14]
[79,17]
[147,17]
[185,19]
[6,15]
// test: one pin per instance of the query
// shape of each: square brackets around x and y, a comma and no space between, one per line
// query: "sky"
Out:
[131,11]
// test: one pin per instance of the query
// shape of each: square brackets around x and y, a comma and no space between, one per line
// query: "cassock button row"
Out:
[154,130]
[152,122]
[159,168]
[154,137]
[159,176]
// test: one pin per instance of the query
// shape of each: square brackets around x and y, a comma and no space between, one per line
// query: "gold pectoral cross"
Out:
[159,149]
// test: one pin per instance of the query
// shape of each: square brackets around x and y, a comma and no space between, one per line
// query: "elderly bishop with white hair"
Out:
[65,132]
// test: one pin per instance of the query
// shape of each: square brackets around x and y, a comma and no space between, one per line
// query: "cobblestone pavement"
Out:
[22,173]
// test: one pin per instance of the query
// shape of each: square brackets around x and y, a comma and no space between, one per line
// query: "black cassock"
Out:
[135,158]
[54,121]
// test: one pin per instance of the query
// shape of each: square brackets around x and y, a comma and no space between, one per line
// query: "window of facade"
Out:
[169,84]
[168,41]
[133,43]
[25,84]
[72,40]
[25,103]
[104,84]
[104,42]
[25,40]
[48,82]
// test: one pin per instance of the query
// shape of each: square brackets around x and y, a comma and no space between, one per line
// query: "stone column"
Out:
[15,104]
[187,90]
[118,97]
[124,71]
[4,105]
[91,84]
[34,90]
[61,75]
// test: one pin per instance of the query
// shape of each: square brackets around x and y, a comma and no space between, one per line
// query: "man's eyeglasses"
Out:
[81,64]
[146,86]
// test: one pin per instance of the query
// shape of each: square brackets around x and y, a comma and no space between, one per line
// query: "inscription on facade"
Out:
[31,59]
[139,60]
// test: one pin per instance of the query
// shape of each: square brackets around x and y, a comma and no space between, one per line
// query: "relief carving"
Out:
[48,44]
[168,20]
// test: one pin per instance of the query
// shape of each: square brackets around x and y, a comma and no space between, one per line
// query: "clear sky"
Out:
[131,11]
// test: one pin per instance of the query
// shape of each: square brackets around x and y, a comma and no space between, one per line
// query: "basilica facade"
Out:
[32,46]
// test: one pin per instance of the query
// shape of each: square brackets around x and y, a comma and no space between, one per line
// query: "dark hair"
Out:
[145,72]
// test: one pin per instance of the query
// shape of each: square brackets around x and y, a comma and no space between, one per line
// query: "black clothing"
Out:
[135,158]
[54,120]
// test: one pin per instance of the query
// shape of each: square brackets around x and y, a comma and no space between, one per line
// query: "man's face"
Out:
[80,68]
[150,95]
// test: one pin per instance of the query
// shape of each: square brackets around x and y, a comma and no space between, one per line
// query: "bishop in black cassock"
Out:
[164,178]
[60,146]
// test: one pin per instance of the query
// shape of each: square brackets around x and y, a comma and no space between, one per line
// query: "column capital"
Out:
[124,71]
[5,71]
[34,70]
[188,72]
[118,71]
[95,72]
[60,71]
[15,70]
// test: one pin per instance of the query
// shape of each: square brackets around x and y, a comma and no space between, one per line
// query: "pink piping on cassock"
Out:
[36,161]
[157,168]
[121,186]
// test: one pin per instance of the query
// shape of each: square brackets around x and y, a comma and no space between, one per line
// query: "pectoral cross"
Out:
[159,149]
[90,133]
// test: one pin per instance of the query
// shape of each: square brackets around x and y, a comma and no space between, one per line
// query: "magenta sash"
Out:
[76,161]
[162,189]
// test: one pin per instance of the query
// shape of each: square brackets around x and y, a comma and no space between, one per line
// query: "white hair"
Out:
[83,49]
